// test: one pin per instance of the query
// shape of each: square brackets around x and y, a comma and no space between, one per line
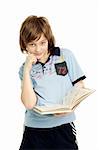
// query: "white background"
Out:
[75,26]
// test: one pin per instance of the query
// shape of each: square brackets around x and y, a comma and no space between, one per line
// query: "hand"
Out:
[30,59]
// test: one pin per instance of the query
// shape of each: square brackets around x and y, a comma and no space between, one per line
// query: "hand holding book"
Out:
[71,100]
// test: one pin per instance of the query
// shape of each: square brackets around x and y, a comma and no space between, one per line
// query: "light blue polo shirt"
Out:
[51,81]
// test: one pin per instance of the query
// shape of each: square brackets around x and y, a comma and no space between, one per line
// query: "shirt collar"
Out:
[56,51]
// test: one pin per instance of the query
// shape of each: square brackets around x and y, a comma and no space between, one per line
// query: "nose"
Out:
[38,49]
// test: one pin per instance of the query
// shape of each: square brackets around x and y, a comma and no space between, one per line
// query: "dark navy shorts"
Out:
[61,138]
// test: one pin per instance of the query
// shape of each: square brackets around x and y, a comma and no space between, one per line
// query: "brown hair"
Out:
[32,28]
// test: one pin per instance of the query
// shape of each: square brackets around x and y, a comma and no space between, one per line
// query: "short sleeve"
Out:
[74,70]
[21,72]
[21,75]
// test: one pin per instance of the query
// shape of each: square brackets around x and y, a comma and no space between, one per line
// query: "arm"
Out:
[28,96]
[80,83]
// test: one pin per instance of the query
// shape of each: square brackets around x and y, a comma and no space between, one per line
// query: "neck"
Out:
[44,59]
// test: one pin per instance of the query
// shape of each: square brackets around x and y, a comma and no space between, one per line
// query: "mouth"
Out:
[38,56]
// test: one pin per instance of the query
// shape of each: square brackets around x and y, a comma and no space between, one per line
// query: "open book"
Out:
[70,101]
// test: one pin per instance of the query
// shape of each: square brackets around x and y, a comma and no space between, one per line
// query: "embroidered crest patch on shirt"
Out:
[61,68]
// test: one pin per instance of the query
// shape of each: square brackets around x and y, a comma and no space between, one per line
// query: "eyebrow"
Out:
[36,41]
[43,40]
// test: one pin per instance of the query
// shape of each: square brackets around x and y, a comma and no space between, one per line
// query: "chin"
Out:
[39,57]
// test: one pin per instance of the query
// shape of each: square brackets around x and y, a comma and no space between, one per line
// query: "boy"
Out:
[48,73]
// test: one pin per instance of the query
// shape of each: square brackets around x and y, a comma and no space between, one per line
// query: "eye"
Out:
[43,42]
[32,44]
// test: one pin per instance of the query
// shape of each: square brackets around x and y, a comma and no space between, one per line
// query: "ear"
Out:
[26,49]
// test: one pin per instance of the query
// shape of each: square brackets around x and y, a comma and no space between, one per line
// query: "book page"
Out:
[51,109]
[76,95]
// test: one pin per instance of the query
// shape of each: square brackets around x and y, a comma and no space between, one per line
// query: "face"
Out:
[38,47]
